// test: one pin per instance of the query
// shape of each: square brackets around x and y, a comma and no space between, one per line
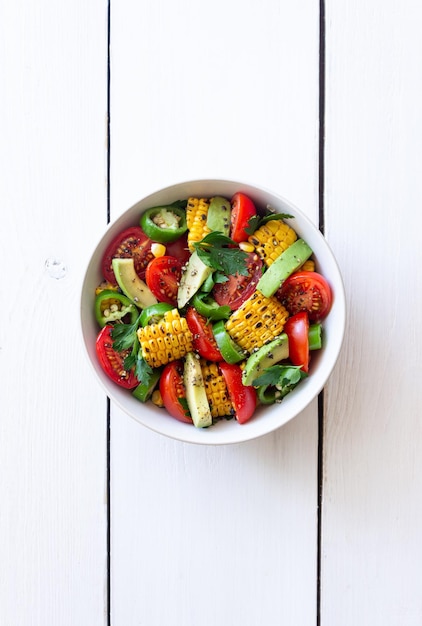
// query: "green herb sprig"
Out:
[284,377]
[222,254]
[125,338]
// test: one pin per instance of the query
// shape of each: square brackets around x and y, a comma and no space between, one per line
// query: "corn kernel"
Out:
[246,246]
[158,249]
[156,398]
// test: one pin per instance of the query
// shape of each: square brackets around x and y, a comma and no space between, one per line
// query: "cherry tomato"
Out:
[242,210]
[162,277]
[112,361]
[306,291]
[243,398]
[172,389]
[238,288]
[131,242]
[203,337]
[297,329]
[179,249]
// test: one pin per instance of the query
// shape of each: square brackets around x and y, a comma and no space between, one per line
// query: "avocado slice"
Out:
[132,286]
[195,392]
[218,216]
[269,354]
[193,275]
[288,262]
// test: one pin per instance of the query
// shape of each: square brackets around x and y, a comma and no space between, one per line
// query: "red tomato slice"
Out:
[242,210]
[131,242]
[203,338]
[306,291]
[162,277]
[172,389]
[243,398]
[112,361]
[238,288]
[179,249]
[297,329]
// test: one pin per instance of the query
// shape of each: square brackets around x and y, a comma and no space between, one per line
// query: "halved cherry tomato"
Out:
[179,249]
[242,210]
[112,361]
[203,338]
[172,390]
[297,330]
[306,291]
[243,398]
[162,277]
[131,242]
[238,288]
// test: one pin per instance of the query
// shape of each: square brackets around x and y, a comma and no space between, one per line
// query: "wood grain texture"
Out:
[372,512]
[53,549]
[214,535]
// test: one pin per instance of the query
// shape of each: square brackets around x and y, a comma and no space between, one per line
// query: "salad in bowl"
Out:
[213,311]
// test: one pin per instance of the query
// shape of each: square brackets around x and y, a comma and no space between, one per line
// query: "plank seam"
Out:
[321,211]
[108,539]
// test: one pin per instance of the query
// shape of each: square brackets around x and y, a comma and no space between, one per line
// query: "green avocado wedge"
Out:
[195,392]
[218,217]
[288,262]
[132,286]
[193,275]
[269,354]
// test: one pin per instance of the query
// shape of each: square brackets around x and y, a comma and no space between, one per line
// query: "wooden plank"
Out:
[372,512]
[228,534]
[53,520]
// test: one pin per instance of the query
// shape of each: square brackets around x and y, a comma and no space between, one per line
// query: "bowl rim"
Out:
[258,426]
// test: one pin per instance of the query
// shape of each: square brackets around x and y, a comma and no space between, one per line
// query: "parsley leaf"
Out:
[143,371]
[253,223]
[214,251]
[256,221]
[124,335]
[184,403]
[125,338]
[219,277]
[284,377]
[276,216]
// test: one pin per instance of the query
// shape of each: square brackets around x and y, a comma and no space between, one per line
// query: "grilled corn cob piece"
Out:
[257,321]
[196,219]
[165,341]
[216,390]
[271,239]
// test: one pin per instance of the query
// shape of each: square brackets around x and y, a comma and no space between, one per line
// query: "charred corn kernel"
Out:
[105,285]
[156,398]
[271,239]
[246,246]
[165,341]
[196,219]
[308,266]
[158,249]
[216,390]
[257,321]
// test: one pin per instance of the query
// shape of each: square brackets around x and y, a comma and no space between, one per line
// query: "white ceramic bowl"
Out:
[266,418]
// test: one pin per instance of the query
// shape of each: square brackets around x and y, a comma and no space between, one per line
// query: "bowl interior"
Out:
[268,418]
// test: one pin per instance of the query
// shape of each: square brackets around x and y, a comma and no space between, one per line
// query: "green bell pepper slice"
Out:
[208,283]
[268,394]
[314,336]
[112,306]
[154,313]
[208,307]
[230,351]
[143,392]
[165,224]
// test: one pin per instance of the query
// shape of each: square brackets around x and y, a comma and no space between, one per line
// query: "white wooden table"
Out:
[104,522]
